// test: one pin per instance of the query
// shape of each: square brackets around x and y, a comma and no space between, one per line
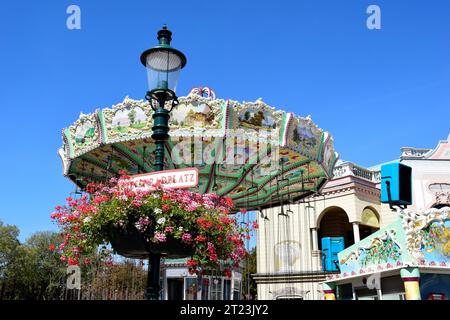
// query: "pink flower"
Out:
[168,229]
[136,203]
[160,237]
[187,237]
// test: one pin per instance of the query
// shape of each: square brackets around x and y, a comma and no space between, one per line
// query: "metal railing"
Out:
[351,169]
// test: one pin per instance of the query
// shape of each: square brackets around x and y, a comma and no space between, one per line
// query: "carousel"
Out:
[276,156]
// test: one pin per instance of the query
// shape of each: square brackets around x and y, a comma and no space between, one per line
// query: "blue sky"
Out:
[374,90]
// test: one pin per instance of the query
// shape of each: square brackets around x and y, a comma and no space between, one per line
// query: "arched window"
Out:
[370,218]
[370,222]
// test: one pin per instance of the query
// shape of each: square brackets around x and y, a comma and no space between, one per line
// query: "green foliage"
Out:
[247,279]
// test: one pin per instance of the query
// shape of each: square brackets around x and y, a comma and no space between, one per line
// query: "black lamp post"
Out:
[163,64]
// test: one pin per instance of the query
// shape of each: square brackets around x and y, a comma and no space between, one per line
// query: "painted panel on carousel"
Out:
[197,112]
[382,250]
[428,236]
[129,119]
[329,156]
[305,137]
[84,134]
[259,116]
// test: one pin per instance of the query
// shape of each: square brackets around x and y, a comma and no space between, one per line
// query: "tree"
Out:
[8,245]
[34,272]
[250,268]
[132,116]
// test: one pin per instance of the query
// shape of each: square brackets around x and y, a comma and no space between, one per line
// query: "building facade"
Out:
[178,284]
[294,254]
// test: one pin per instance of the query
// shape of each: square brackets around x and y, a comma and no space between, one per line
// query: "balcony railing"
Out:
[408,153]
[350,169]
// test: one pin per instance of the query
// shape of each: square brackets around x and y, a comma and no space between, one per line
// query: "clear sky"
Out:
[373,90]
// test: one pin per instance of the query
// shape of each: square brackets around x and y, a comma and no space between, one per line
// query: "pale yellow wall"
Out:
[299,224]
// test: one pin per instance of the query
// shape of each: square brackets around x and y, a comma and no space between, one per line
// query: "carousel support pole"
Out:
[160,135]
[411,280]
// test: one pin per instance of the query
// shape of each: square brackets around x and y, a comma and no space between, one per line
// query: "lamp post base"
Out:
[153,287]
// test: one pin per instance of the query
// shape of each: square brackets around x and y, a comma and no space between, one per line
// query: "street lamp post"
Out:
[163,64]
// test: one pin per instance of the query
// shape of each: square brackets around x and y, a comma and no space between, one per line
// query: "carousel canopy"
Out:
[248,151]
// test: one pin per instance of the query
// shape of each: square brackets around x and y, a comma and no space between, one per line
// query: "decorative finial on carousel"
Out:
[203,92]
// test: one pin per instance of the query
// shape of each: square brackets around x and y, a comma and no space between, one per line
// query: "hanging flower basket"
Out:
[138,219]
[131,243]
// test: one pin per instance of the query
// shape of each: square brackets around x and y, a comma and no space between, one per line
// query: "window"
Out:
[226,289]
[366,294]
[344,292]
[237,290]
[216,289]
[205,289]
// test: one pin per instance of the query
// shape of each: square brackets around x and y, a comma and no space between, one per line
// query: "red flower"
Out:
[165,207]
[108,263]
[90,188]
[165,197]
[191,263]
[51,247]
[229,202]
[200,238]
[255,225]
[227,273]
[73,261]
[243,210]
[213,257]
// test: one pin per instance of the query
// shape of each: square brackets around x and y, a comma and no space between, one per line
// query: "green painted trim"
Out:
[320,151]
[283,128]
[103,131]
[328,286]
[268,191]
[410,273]
[70,142]
[124,149]
[86,157]
[332,163]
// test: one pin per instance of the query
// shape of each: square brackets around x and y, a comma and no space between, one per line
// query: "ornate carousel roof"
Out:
[248,151]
